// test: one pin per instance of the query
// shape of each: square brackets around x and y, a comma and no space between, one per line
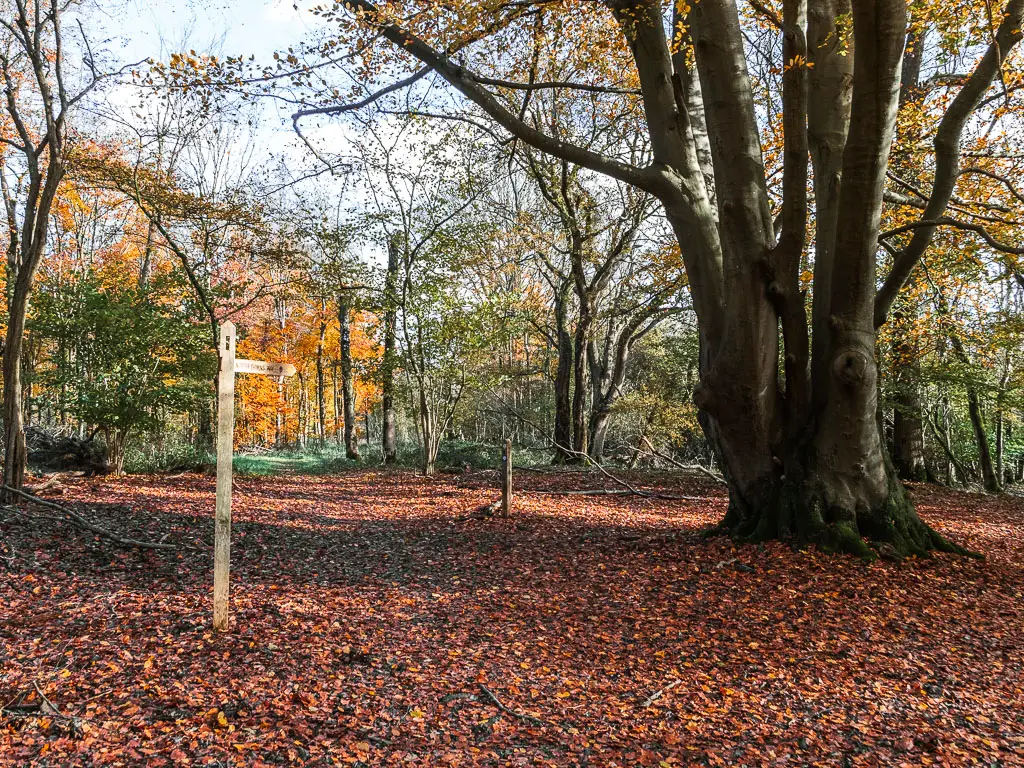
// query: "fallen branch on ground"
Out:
[50,482]
[489,696]
[569,451]
[658,694]
[482,513]
[74,518]
[703,470]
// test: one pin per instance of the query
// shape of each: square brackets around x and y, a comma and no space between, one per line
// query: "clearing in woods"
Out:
[376,621]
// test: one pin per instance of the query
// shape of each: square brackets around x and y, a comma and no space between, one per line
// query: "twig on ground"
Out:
[489,696]
[73,517]
[47,704]
[658,694]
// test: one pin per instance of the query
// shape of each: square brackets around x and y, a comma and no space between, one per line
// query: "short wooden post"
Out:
[225,447]
[506,480]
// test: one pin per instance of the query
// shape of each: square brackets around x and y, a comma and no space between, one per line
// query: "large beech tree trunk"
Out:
[800,447]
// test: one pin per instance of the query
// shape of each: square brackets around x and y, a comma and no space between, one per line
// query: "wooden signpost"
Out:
[229,366]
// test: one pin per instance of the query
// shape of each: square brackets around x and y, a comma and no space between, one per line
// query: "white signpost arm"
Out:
[225,447]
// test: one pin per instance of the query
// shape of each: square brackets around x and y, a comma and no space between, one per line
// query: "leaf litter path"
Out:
[376,623]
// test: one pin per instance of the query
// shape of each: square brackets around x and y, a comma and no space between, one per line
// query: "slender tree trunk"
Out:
[428,434]
[337,402]
[321,381]
[599,423]
[302,417]
[146,263]
[988,473]
[999,445]
[1000,423]
[581,384]
[15,449]
[563,381]
[389,435]
[347,384]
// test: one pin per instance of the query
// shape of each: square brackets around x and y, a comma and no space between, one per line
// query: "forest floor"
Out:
[376,622]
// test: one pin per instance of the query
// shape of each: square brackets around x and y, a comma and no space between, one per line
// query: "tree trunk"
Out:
[337,402]
[599,423]
[321,381]
[117,446]
[302,417]
[908,424]
[389,436]
[988,473]
[999,445]
[15,449]
[908,437]
[825,479]
[347,385]
[581,386]
[429,436]
[563,381]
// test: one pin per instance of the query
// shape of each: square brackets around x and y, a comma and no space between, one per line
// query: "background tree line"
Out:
[455,286]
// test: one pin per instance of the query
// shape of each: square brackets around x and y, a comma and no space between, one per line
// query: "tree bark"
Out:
[581,386]
[563,380]
[337,401]
[32,63]
[988,473]
[908,424]
[347,385]
[321,380]
[389,435]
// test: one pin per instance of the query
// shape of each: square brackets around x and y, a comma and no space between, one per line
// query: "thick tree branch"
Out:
[947,221]
[469,85]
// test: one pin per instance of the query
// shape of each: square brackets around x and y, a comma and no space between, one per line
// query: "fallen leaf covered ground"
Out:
[377,622]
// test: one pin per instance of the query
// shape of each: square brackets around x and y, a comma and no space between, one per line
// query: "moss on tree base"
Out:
[797,512]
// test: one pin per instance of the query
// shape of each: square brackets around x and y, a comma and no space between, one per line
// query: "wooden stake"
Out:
[225,445]
[506,480]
